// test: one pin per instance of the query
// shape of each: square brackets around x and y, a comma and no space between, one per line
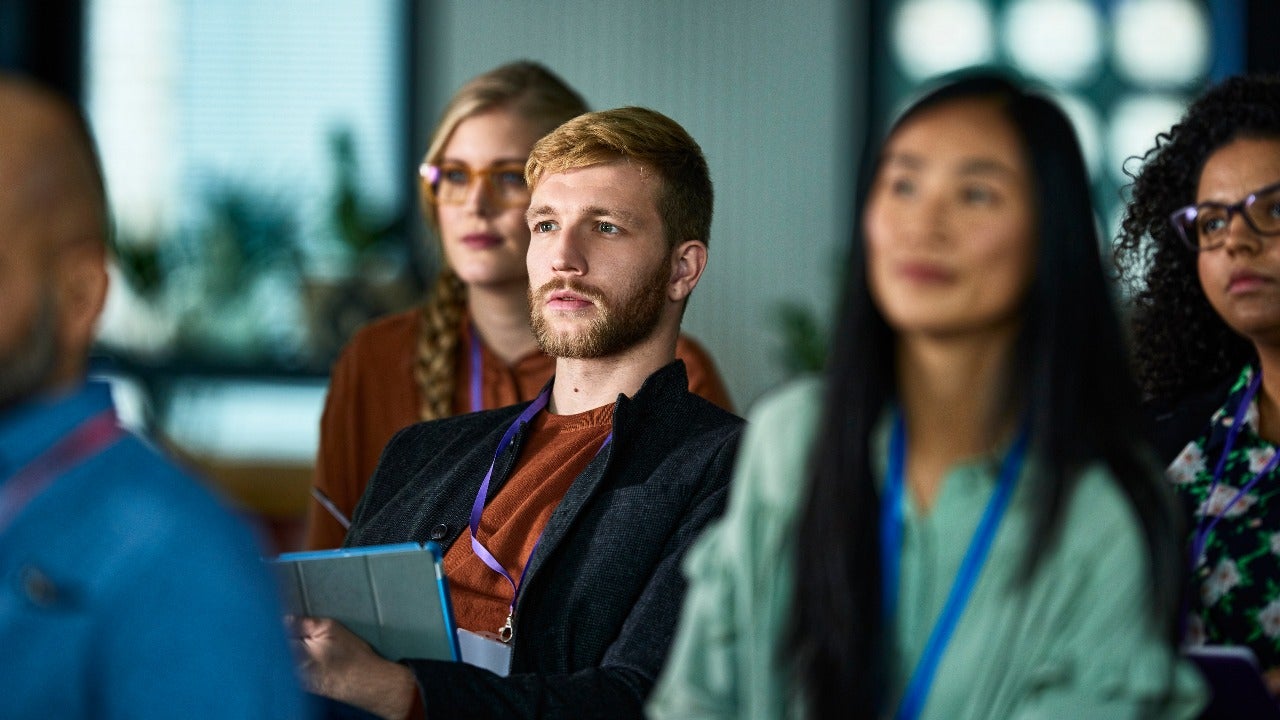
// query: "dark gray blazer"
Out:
[602,594]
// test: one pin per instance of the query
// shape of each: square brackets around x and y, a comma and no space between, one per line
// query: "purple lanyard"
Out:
[1203,530]
[88,438]
[477,403]
[477,509]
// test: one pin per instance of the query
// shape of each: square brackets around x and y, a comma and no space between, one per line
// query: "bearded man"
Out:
[587,498]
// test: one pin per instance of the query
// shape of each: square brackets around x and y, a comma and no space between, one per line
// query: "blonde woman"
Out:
[469,346]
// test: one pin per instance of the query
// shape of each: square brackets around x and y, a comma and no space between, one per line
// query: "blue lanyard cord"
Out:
[891,514]
[1202,529]
[891,521]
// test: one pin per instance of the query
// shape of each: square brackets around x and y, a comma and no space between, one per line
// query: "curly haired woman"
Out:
[1201,241]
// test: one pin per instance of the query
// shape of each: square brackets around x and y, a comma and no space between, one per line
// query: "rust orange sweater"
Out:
[558,449]
[373,394]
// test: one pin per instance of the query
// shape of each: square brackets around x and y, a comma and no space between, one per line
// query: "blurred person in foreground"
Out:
[469,345]
[956,521]
[564,520]
[126,589]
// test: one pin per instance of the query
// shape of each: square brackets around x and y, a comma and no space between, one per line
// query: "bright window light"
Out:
[937,36]
[1161,42]
[1059,41]
[248,420]
[254,162]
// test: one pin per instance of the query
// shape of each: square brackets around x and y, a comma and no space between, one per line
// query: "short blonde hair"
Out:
[644,137]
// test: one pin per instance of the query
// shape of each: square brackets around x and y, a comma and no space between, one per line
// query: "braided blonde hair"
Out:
[537,94]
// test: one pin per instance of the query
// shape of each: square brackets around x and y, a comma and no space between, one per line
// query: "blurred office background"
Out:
[261,158]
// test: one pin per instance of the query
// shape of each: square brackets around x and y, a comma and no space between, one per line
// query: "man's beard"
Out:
[32,363]
[617,326]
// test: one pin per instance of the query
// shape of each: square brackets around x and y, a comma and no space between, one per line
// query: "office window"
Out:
[1123,70]
[258,174]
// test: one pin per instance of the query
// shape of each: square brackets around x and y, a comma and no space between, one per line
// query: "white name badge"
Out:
[485,650]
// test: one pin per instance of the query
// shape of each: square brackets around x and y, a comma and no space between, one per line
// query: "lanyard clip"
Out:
[506,631]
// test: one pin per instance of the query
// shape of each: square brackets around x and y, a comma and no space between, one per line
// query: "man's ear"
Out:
[688,260]
[80,276]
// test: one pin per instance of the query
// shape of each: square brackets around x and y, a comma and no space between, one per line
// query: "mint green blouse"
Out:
[1076,641]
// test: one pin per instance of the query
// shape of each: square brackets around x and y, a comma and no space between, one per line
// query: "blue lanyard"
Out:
[891,513]
[1202,529]
[477,509]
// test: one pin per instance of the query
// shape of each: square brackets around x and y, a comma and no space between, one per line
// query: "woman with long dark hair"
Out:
[1201,241]
[955,522]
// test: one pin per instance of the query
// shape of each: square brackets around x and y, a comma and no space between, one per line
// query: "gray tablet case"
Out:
[395,597]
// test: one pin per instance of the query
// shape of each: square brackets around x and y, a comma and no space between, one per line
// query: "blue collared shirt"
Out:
[31,429]
[128,590]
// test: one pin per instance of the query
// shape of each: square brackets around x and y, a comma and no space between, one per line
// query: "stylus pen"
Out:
[327,504]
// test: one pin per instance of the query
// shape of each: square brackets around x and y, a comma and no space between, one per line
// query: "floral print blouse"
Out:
[1236,581]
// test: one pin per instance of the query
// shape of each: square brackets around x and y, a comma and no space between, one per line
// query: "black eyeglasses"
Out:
[1205,226]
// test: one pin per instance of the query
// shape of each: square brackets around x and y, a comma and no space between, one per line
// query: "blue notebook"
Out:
[395,597]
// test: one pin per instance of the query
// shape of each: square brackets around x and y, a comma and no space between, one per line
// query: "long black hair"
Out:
[1183,345]
[1067,376]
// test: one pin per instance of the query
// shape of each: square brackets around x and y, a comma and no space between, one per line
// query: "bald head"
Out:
[48,166]
[53,222]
